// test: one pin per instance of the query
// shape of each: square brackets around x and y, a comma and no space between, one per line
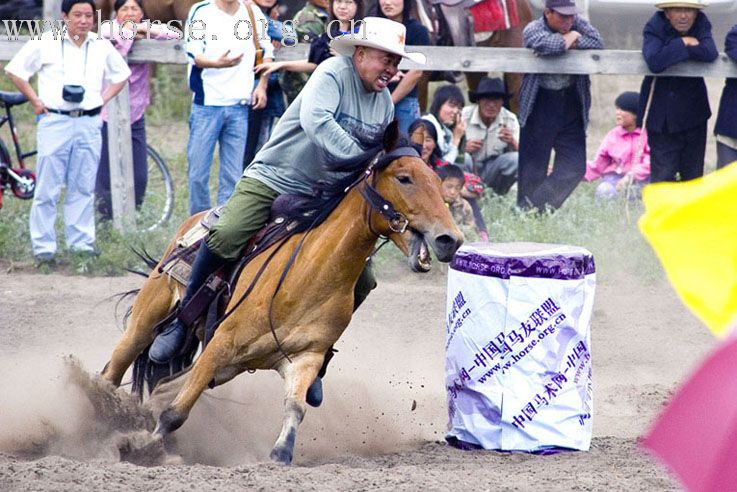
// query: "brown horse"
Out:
[507,38]
[454,25]
[161,10]
[315,302]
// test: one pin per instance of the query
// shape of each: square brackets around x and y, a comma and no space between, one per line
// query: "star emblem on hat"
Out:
[401,38]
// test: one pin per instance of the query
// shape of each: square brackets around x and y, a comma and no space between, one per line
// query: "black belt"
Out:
[76,113]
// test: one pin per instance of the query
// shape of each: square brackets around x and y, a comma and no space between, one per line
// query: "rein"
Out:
[397,221]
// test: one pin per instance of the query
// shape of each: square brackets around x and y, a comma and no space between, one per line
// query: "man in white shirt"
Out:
[220,46]
[77,75]
[492,135]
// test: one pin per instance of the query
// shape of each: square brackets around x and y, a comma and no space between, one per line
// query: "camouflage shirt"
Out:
[309,24]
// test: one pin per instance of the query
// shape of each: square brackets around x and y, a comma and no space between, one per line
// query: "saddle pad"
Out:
[179,264]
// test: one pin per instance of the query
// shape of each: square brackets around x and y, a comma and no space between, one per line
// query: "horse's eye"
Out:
[405,180]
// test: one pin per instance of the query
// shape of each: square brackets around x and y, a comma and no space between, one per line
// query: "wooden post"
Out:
[121,162]
[52,9]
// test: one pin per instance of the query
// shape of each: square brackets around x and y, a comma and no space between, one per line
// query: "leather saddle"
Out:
[290,214]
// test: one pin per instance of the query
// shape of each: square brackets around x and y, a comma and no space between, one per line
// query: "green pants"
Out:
[247,211]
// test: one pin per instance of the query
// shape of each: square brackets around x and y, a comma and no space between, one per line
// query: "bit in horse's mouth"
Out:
[419,257]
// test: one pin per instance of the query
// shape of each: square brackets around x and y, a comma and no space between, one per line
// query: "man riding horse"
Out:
[330,131]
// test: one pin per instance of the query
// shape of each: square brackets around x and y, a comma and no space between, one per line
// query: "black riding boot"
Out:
[171,340]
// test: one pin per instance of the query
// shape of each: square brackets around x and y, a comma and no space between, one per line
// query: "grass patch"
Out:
[116,248]
[170,97]
[607,229]
[601,227]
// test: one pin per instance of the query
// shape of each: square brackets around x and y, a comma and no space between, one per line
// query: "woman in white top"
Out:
[445,115]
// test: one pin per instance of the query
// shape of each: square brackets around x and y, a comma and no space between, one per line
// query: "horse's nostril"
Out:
[446,241]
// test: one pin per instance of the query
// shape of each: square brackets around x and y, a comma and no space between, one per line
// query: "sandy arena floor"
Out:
[365,436]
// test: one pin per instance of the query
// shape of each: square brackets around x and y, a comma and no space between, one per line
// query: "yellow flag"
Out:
[692,227]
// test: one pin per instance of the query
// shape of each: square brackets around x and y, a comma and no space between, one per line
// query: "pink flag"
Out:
[696,435]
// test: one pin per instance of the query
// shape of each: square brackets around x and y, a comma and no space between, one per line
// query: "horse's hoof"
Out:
[169,421]
[141,448]
[281,455]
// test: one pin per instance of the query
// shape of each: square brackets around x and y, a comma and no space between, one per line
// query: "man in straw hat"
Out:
[554,109]
[326,135]
[492,135]
[675,109]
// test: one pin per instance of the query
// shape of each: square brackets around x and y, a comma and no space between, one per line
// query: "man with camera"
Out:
[77,75]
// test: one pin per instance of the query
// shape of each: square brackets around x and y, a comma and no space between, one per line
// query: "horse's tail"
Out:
[151,263]
[147,259]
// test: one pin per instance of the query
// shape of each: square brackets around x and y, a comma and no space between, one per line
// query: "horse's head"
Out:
[421,217]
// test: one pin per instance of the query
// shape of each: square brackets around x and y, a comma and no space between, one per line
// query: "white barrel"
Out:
[518,346]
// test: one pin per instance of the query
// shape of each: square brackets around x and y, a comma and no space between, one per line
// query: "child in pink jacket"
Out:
[624,156]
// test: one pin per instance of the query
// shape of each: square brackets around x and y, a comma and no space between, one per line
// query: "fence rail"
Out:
[458,59]
[465,59]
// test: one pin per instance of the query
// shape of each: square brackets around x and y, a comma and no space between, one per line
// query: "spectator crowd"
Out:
[479,147]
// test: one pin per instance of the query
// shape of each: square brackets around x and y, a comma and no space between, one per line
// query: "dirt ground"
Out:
[383,421]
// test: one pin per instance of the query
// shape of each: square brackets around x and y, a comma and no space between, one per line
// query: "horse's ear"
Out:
[391,136]
[418,136]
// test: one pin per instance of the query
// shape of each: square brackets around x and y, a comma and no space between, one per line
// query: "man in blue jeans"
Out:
[222,55]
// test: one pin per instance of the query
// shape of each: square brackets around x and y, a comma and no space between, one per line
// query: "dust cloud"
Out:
[377,400]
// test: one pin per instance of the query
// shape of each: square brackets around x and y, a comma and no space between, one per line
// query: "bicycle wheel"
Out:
[25,188]
[158,202]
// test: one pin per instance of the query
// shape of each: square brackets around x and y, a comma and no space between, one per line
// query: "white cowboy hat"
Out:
[379,33]
[688,4]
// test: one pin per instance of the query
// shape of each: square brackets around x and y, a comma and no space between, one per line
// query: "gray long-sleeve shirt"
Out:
[326,133]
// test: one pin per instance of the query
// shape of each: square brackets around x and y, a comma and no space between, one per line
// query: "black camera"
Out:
[72,93]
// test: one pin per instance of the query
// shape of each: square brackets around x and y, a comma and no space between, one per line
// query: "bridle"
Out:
[397,221]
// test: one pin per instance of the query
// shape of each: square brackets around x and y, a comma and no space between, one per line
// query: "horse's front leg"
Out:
[218,354]
[298,376]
